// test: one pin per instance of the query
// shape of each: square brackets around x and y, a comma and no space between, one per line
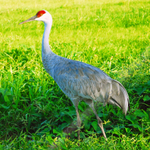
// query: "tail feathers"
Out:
[119,96]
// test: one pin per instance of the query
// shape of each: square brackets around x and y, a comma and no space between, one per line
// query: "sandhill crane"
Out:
[78,80]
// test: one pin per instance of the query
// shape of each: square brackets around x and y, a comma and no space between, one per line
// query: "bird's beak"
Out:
[30,19]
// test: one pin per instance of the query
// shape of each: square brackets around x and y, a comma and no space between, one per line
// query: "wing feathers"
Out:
[119,96]
[77,79]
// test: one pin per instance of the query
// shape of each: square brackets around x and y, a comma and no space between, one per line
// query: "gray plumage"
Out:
[82,81]
[78,80]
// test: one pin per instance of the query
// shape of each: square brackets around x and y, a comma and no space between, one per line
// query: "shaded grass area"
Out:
[113,36]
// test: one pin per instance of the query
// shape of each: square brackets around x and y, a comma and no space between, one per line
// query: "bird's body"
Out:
[82,81]
[78,80]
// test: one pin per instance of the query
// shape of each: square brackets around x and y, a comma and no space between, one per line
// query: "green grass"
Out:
[111,35]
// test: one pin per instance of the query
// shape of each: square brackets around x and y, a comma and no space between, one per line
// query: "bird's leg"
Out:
[78,122]
[100,122]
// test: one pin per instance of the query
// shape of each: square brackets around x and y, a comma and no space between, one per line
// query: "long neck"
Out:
[45,42]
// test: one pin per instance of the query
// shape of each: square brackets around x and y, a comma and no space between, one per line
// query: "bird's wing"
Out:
[88,82]
[80,79]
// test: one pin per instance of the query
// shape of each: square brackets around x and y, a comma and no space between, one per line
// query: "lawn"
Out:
[111,35]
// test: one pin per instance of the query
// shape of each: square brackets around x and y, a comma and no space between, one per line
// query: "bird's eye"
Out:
[40,13]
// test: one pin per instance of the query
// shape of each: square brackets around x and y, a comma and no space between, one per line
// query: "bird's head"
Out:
[41,15]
